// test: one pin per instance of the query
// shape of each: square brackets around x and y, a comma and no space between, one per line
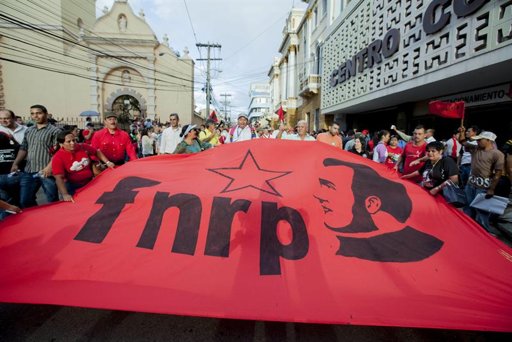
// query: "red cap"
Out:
[365,131]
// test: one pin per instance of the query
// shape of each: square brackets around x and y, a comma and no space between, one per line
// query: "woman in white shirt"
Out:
[148,142]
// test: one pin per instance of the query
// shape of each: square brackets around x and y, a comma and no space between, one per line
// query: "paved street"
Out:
[55,323]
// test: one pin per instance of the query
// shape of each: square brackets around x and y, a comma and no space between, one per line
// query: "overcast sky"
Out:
[250,32]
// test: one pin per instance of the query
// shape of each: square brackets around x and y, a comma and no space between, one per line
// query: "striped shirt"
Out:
[38,143]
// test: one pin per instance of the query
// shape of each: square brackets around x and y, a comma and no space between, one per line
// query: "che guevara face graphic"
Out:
[335,197]
[368,213]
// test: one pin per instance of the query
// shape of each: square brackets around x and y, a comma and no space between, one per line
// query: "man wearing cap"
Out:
[113,142]
[487,165]
[242,131]
[171,135]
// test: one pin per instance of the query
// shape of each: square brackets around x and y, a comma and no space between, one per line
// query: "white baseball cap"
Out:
[486,135]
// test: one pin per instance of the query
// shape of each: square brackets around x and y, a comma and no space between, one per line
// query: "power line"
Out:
[26,42]
[209,47]
[225,95]
[251,75]
[53,50]
[192,26]
[194,32]
[45,67]
[68,73]
[255,38]
[19,23]
[90,32]
[61,62]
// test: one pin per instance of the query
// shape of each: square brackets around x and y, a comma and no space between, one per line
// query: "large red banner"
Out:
[264,230]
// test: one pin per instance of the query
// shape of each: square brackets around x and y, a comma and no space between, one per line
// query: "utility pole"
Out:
[208,46]
[226,107]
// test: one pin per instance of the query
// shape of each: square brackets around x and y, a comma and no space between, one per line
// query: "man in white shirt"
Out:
[453,147]
[170,136]
[242,131]
[302,133]
[9,125]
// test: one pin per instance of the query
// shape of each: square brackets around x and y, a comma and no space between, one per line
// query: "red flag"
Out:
[450,110]
[280,113]
[233,231]
[213,116]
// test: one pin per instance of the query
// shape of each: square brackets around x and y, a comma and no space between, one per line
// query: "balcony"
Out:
[309,86]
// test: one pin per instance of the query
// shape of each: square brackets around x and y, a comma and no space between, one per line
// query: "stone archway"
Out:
[126,106]
[126,94]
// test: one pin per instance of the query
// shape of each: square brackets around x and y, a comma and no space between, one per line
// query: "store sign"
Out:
[436,17]
[373,54]
[492,95]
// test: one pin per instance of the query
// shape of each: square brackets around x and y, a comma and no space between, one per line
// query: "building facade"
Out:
[384,61]
[57,53]
[283,73]
[259,106]
[295,77]
[312,32]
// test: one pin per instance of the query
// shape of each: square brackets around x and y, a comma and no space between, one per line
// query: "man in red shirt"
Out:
[113,142]
[414,154]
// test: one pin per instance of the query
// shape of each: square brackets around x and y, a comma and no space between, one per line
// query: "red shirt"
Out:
[411,153]
[74,166]
[85,133]
[393,154]
[371,145]
[114,146]
[328,138]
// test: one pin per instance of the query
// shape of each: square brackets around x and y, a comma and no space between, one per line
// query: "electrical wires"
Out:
[44,31]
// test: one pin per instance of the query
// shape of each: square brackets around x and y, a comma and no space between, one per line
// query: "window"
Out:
[318,60]
[305,50]
[317,119]
[324,7]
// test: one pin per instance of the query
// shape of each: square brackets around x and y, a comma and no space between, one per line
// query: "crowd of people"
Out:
[63,159]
